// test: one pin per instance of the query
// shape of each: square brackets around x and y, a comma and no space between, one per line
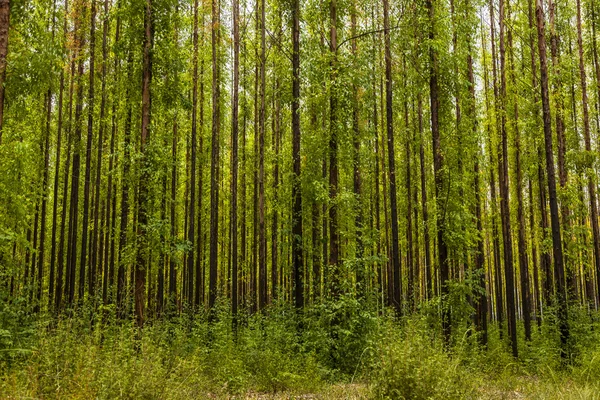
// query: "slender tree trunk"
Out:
[334,174]
[63,219]
[45,177]
[544,256]
[192,184]
[409,234]
[88,162]
[4,27]
[200,239]
[234,162]
[262,237]
[562,312]
[275,222]
[111,194]
[522,241]
[142,263]
[429,293]
[214,171]
[297,248]
[438,166]
[74,204]
[588,146]
[96,253]
[356,176]
[53,242]
[395,256]
[173,215]
[125,182]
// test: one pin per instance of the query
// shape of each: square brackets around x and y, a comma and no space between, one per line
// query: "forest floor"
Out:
[366,357]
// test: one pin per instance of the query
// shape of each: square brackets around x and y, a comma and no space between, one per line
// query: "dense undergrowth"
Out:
[343,351]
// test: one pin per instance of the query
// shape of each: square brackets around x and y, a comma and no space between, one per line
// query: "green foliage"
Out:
[187,357]
[411,364]
[341,332]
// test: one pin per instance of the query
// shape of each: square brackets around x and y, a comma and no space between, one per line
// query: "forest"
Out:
[316,199]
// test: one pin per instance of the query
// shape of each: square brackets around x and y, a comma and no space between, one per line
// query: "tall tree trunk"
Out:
[334,174]
[173,221]
[395,256]
[142,263]
[4,27]
[262,238]
[429,292]
[522,241]
[192,183]
[495,237]
[111,194]
[356,176]
[562,312]
[275,221]
[438,166]
[234,161]
[45,176]
[53,242]
[88,160]
[214,170]
[96,253]
[588,146]
[60,261]
[74,203]
[297,251]
[409,234]
[504,189]
[125,182]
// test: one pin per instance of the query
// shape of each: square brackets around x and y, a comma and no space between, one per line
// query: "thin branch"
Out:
[364,34]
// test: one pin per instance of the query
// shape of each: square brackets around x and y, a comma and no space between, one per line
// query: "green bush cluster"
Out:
[331,350]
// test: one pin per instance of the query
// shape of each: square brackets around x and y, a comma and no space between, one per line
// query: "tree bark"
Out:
[142,264]
[438,167]
[88,162]
[297,251]
[562,312]
[4,28]
[214,171]
[234,161]
[588,146]
[395,256]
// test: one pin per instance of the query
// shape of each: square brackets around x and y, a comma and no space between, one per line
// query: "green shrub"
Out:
[413,365]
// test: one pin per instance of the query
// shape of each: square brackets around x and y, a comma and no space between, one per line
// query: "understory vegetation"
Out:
[367,354]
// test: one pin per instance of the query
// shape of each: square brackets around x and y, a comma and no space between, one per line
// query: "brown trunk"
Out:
[142,263]
[429,292]
[262,237]
[88,162]
[234,161]
[501,101]
[438,166]
[562,312]
[297,248]
[74,203]
[96,254]
[409,234]
[125,179]
[522,241]
[334,174]
[214,170]
[588,146]
[189,296]
[63,219]
[53,240]
[4,27]
[173,220]
[395,256]
[356,178]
